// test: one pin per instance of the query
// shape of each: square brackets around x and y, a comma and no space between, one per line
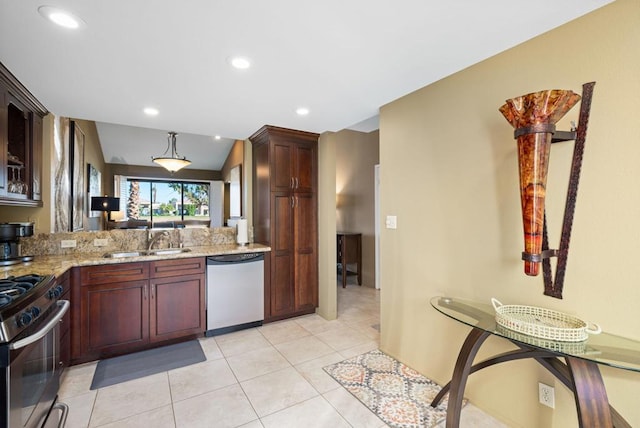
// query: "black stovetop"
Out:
[15,289]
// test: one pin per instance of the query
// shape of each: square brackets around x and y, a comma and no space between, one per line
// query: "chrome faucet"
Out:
[152,239]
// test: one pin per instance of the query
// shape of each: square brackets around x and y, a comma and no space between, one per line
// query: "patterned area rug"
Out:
[399,395]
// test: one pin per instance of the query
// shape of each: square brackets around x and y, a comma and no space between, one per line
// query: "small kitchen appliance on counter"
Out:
[10,234]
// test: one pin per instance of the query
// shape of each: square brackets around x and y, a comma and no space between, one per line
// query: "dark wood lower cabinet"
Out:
[282,296]
[117,317]
[129,307]
[177,307]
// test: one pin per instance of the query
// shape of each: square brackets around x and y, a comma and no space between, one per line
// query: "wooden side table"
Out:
[349,251]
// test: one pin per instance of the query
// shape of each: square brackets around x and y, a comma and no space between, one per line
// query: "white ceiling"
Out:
[341,59]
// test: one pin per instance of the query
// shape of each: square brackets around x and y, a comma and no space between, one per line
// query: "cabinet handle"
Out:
[153,290]
[297,182]
[292,202]
[144,293]
[291,183]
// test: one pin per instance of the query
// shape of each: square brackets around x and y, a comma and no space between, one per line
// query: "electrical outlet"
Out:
[68,243]
[100,242]
[391,222]
[546,395]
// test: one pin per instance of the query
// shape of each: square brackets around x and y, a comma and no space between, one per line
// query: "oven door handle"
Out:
[63,307]
[64,409]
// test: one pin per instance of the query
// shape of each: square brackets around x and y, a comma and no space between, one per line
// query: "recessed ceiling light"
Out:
[217,137]
[240,62]
[150,111]
[302,111]
[61,17]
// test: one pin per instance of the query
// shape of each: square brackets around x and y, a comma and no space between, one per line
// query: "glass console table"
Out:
[579,372]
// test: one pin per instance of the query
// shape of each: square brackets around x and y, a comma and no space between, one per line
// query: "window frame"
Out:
[125,199]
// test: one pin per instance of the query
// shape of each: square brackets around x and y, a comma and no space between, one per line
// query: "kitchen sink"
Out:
[168,251]
[123,254]
[138,253]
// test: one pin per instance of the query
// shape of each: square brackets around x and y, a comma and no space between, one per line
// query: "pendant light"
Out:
[175,162]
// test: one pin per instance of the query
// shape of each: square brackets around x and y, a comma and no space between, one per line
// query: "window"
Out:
[166,201]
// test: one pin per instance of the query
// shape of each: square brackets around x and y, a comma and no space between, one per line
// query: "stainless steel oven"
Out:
[30,365]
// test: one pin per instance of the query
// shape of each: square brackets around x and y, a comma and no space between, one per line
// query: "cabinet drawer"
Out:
[113,273]
[177,267]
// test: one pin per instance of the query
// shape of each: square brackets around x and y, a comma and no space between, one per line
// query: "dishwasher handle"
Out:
[225,259]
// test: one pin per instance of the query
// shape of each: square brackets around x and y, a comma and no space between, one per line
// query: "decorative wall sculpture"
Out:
[534,116]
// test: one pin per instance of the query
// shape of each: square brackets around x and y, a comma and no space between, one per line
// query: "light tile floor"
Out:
[270,376]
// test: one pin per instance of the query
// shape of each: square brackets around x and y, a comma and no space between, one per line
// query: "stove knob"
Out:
[24,319]
[35,311]
[55,292]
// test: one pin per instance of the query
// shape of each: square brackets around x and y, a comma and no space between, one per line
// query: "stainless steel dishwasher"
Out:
[235,292]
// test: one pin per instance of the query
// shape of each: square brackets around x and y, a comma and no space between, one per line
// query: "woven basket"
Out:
[573,348]
[542,323]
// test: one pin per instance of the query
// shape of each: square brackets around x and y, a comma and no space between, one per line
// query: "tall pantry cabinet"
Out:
[285,217]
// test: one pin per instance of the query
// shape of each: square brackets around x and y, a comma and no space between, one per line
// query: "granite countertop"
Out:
[58,265]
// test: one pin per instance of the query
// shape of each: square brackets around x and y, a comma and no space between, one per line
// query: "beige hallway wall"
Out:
[450,175]
[327,277]
[356,155]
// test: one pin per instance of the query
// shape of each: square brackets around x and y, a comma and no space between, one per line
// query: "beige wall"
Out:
[92,155]
[327,274]
[235,157]
[449,172]
[356,155]
[247,185]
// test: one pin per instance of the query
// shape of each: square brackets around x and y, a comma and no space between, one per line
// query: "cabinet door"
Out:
[19,144]
[20,119]
[281,167]
[306,258]
[304,167]
[115,317]
[177,307]
[282,252]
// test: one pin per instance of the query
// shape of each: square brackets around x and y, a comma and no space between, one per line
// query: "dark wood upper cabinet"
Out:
[20,143]
[292,158]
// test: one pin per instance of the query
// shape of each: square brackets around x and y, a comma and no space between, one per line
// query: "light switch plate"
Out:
[100,242]
[391,222]
[68,243]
